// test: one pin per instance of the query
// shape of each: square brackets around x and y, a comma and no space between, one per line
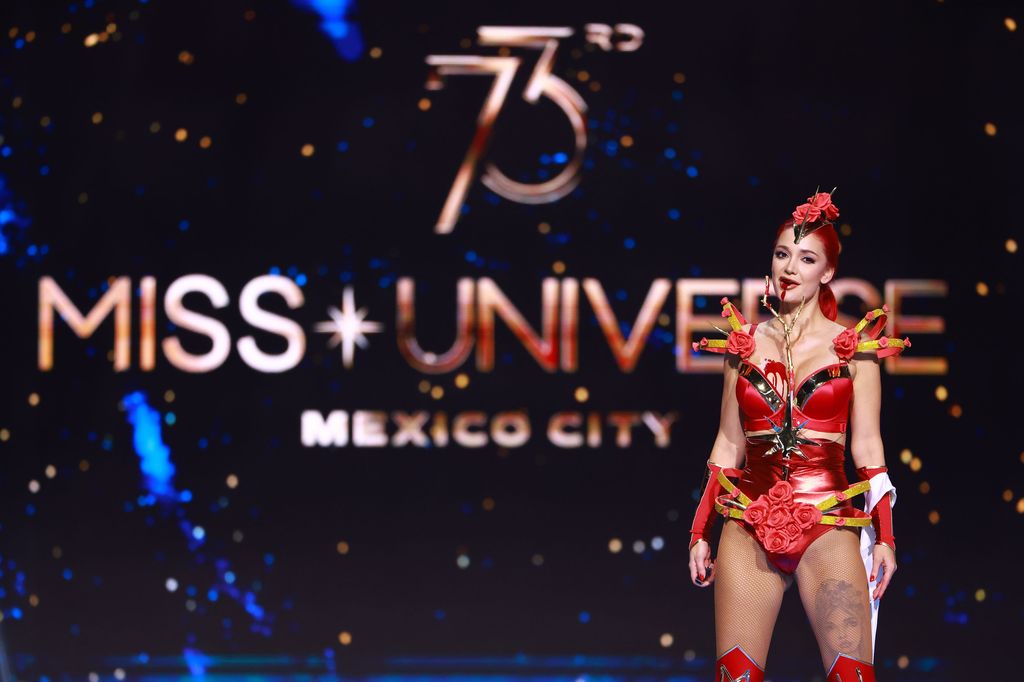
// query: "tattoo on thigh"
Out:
[840,616]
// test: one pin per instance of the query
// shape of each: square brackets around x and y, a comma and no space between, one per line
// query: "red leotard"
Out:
[821,403]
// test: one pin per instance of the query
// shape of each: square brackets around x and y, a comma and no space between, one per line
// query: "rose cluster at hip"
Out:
[779,520]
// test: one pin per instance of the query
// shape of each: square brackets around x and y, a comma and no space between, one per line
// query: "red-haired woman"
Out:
[776,471]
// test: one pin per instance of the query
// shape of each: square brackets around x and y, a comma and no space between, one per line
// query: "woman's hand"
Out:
[702,568]
[883,559]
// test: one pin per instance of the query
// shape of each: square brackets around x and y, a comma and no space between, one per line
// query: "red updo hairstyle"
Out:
[830,242]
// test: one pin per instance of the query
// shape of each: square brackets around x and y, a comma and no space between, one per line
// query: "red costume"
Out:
[787,500]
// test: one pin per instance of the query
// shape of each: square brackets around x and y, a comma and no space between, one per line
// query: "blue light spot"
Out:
[343,146]
[212,595]
[670,153]
[348,42]
[170,418]
[691,171]
[183,225]
[368,122]
[229,578]
[560,157]
[67,574]
[6,151]
[301,279]
[198,533]
[203,443]
[185,496]
[16,613]
[754,181]
[274,270]
[629,243]
[154,455]
[268,559]
[673,213]
[44,170]
[439,614]
[584,617]
[677,95]
[471,256]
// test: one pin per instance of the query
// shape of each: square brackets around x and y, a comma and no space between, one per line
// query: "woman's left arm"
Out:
[869,457]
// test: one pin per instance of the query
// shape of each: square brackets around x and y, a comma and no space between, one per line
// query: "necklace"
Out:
[786,437]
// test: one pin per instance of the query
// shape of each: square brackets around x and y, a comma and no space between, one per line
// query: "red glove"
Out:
[881,515]
[705,515]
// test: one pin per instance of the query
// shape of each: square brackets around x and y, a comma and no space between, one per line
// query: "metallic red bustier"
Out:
[821,402]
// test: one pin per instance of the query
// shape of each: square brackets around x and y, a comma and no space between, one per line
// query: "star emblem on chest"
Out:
[785,437]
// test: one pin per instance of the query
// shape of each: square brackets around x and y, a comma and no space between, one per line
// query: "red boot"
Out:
[735,666]
[848,669]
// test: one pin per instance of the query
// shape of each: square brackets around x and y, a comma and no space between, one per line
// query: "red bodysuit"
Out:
[786,519]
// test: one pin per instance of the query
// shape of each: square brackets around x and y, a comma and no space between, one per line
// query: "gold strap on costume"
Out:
[883,346]
[852,491]
[827,519]
[733,491]
[736,321]
[738,502]
[878,316]
[893,345]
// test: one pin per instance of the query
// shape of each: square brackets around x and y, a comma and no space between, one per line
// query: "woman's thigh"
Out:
[834,590]
[748,594]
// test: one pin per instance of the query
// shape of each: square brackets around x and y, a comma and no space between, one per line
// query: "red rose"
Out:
[846,343]
[741,343]
[781,492]
[823,202]
[778,517]
[755,512]
[806,515]
[792,531]
[776,542]
[811,212]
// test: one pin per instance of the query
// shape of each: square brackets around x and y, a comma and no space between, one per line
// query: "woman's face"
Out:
[842,629]
[798,270]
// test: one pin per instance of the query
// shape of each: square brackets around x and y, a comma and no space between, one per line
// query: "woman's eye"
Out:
[809,260]
[780,254]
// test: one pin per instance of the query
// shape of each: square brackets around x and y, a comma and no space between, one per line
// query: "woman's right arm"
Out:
[730,448]
[728,452]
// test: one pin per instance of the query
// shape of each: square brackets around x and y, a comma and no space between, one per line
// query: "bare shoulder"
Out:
[835,328]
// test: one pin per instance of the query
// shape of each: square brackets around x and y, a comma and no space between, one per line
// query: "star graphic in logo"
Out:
[348,327]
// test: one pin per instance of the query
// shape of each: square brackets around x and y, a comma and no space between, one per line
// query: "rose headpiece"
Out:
[818,212]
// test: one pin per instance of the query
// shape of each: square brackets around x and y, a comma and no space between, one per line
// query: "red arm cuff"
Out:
[705,515]
[881,515]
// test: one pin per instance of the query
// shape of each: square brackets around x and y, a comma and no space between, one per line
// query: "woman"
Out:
[790,385]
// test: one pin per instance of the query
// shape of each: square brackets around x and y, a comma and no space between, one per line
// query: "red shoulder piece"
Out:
[848,342]
[738,342]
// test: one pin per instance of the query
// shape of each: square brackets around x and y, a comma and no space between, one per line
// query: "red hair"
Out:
[830,240]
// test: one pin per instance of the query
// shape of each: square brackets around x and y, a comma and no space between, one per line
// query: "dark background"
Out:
[888,101]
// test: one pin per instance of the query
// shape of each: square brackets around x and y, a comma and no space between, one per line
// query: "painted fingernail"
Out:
[872,577]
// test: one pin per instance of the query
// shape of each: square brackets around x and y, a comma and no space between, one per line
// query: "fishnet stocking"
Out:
[834,590]
[748,594]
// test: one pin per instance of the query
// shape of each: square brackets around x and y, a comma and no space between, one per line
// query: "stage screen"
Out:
[355,339]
